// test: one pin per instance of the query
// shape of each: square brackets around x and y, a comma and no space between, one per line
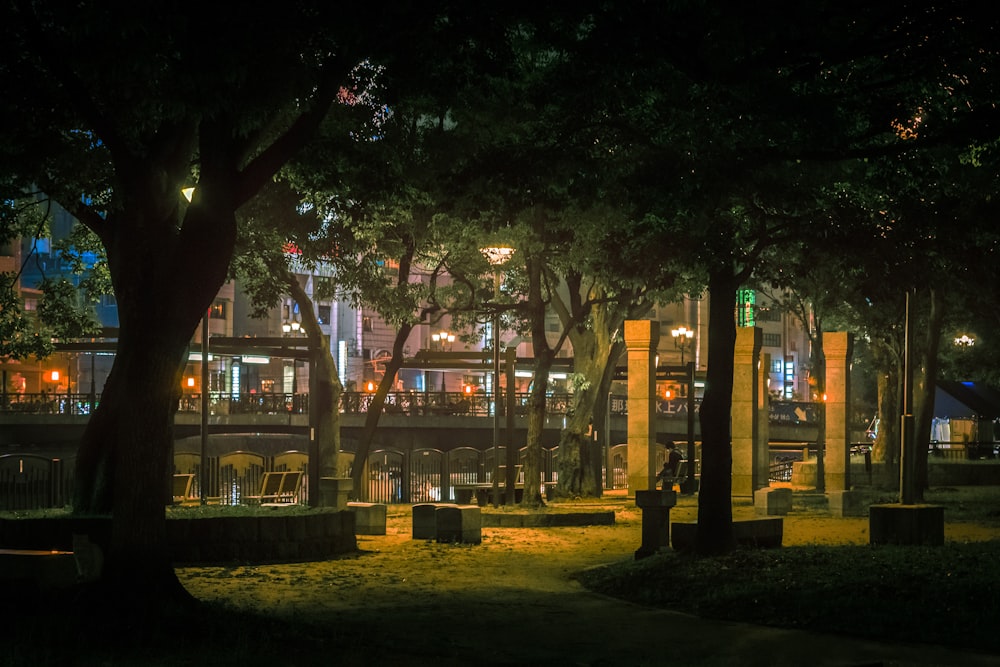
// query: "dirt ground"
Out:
[508,560]
[429,584]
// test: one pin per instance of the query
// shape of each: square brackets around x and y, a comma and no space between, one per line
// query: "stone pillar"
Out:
[746,411]
[641,338]
[762,447]
[837,347]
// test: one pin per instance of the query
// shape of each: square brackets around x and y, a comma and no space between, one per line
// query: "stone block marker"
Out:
[459,523]
[369,518]
[772,502]
[425,521]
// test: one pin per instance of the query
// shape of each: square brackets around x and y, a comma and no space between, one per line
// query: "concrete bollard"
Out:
[655,506]
[425,521]
[772,501]
[459,523]
[369,518]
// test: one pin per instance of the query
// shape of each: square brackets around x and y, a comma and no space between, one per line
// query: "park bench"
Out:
[678,478]
[483,493]
[182,490]
[277,488]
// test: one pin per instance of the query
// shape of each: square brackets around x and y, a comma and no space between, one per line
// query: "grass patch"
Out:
[948,595]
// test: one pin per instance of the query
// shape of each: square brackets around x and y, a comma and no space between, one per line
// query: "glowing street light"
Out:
[965,341]
[682,339]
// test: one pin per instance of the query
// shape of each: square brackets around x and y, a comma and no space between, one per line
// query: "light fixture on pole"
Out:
[965,340]
[496,256]
[682,339]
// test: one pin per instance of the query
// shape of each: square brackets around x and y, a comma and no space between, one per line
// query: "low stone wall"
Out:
[939,473]
[547,520]
[258,539]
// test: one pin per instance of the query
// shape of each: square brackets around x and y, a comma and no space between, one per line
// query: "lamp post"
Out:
[682,339]
[497,255]
[293,327]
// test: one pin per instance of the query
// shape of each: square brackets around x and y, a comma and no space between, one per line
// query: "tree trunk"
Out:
[360,490]
[326,389]
[532,496]
[923,394]
[715,512]
[575,467]
[123,463]
[375,412]
[886,446]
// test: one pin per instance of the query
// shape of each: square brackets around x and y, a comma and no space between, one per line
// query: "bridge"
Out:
[410,420]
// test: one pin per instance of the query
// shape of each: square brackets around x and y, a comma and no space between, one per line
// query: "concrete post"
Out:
[746,411]
[641,338]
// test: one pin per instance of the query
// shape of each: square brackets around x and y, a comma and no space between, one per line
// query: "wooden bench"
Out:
[483,493]
[277,488]
[182,490]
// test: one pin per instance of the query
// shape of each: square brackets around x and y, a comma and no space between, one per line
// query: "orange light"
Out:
[54,376]
[668,394]
[468,389]
[370,386]
[190,383]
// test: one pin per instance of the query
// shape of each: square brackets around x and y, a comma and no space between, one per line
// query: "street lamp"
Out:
[682,339]
[443,340]
[497,255]
[965,341]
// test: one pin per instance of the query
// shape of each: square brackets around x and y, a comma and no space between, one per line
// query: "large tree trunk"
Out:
[576,476]
[123,465]
[715,512]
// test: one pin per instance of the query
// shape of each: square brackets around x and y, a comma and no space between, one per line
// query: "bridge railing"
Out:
[409,403]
